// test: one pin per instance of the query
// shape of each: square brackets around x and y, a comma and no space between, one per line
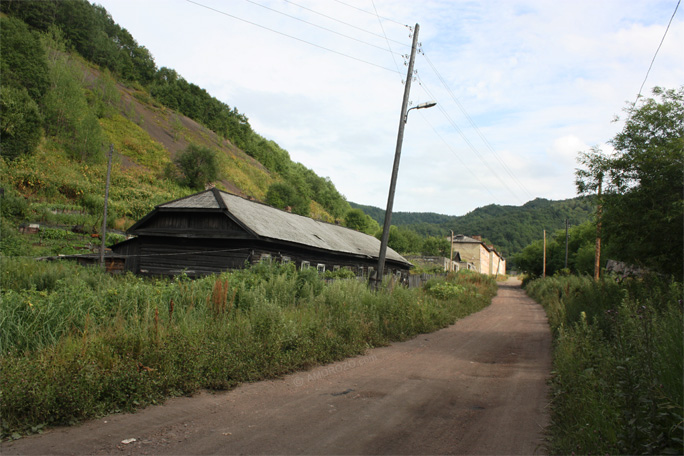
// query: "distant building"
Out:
[213,231]
[485,258]
[443,263]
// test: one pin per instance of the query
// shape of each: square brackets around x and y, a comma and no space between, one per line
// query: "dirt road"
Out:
[477,387]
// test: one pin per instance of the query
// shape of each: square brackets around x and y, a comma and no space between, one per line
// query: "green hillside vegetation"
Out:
[75,82]
[509,228]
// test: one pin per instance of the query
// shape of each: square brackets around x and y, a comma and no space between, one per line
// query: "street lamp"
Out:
[427,104]
[393,182]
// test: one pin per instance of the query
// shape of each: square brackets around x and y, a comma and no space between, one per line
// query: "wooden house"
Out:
[213,231]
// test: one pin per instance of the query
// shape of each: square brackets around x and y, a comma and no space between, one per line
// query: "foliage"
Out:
[198,166]
[22,60]
[67,115]
[20,124]
[618,363]
[78,343]
[441,289]
[284,196]
[357,220]
[645,176]
[24,70]
[90,30]
[581,245]
[134,142]
[509,228]
[436,246]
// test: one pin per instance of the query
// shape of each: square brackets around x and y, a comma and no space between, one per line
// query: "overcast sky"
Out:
[521,85]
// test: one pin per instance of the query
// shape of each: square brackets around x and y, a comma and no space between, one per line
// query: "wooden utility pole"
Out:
[451,255]
[544,265]
[104,217]
[397,156]
[566,243]
[599,211]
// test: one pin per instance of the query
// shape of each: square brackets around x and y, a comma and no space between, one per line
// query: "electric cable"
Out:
[316,25]
[368,12]
[385,35]
[292,37]
[345,23]
[654,57]
[475,127]
[467,141]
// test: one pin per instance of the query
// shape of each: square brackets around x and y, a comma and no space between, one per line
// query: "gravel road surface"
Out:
[476,387]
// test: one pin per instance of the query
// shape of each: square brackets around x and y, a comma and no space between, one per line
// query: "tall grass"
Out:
[618,363]
[78,343]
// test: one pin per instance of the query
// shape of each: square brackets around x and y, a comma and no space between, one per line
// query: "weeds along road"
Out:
[477,387]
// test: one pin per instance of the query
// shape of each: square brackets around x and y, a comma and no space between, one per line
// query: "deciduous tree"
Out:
[198,165]
[643,205]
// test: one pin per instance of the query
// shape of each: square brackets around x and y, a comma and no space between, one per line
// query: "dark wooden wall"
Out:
[160,255]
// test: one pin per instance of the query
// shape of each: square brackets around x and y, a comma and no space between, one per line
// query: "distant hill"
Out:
[509,228]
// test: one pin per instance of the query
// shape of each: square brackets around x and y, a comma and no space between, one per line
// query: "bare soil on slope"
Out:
[476,387]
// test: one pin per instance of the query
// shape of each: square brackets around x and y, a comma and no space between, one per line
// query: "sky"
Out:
[521,86]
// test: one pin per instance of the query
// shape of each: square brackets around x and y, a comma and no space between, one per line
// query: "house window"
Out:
[265,258]
[359,271]
[285,259]
[320,267]
[305,265]
[336,267]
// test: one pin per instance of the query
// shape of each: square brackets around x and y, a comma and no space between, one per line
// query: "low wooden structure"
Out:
[213,231]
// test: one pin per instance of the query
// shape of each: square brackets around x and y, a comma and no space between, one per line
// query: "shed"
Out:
[213,231]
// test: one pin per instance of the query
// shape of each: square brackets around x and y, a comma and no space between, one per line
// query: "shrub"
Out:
[618,363]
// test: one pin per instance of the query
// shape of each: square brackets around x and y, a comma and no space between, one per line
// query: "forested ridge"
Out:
[509,228]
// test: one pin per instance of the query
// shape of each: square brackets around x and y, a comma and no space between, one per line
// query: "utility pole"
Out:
[395,169]
[599,212]
[544,266]
[104,218]
[566,243]
[451,255]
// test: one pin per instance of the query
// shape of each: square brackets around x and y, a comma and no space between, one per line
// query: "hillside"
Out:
[509,228]
[71,88]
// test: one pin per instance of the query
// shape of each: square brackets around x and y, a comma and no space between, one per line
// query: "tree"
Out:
[22,60]
[643,208]
[20,123]
[283,196]
[198,165]
[590,180]
[436,246]
[357,220]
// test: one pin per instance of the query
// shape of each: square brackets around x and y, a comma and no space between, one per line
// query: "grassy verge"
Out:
[77,343]
[618,362]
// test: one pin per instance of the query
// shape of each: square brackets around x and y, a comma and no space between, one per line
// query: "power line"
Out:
[317,26]
[385,35]
[453,152]
[654,55]
[292,37]
[477,130]
[467,141]
[345,23]
[368,12]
